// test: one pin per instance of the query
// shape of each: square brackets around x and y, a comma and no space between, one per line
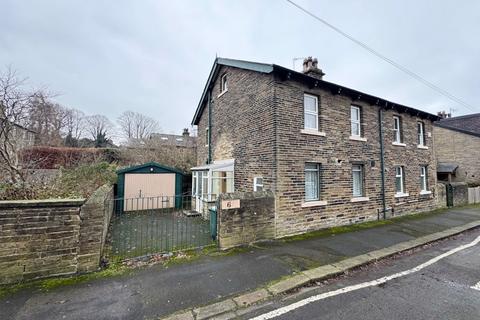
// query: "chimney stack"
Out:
[185,132]
[310,67]
[444,115]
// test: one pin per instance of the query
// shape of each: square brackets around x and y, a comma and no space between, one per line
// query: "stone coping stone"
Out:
[214,309]
[9,204]
[251,297]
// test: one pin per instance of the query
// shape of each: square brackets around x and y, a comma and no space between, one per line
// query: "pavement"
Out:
[446,289]
[158,291]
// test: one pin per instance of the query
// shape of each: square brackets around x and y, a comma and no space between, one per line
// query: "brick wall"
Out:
[242,126]
[253,221]
[42,238]
[460,148]
[258,122]
[336,153]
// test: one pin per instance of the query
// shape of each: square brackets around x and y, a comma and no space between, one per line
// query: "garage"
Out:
[149,186]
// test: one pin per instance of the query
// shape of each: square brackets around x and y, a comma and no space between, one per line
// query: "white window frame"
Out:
[397,129]
[355,121]
[421,133]
[317,170]
[358,168]
[305,112]
[402,180]
[423,179]
[207,137]
[223,84]
[256,184]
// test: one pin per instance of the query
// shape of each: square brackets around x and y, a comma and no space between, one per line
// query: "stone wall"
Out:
[441,195]
[253,221]
[459,148]
[42,238]
[460,193]
[95,217]
[259,121]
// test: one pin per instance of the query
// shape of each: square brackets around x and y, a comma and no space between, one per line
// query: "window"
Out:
[355,121]
[222,182]
[207,137]
[312,181]
[357,177]
[399,180]
[397,130]
[258,184]
[423,178]
[194,183]
[204,187]
[223,84]
[310,106]
[421,133]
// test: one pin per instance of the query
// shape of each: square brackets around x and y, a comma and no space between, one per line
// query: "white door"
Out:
[149,191]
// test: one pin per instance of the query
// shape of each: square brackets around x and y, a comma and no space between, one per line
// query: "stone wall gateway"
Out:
[44,238]
[253,221]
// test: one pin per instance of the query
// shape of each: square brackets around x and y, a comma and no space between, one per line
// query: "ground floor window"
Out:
[423,178]
[400,180]
[222,182]
[357,177]
[257,184]
[312,181]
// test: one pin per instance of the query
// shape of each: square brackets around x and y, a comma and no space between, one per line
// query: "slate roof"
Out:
[446,167]
[311,81]
[469,124]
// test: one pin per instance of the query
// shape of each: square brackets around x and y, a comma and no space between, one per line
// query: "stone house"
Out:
[457,148]
[318,146]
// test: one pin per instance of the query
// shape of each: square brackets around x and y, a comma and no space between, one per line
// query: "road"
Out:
[439,282]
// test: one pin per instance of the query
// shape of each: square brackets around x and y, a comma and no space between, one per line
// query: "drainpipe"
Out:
[382,161]
[209,106]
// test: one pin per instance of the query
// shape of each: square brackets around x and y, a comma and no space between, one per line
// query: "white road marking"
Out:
[301,303]
[476,287]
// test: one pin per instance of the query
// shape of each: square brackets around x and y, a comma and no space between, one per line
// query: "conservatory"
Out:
[208,182]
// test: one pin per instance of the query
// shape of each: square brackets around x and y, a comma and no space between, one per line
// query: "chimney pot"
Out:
[310,67]
[185,132]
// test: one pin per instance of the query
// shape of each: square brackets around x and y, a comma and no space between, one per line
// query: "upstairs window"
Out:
[397,130]
[207,137]
[357,177]
[310,107]
[423,178]
[421,133]
[223,84]
[258,184]
[312,181]
[400,180]
[355,121]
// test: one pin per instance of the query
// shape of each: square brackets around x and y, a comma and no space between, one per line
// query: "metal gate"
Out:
[148,225]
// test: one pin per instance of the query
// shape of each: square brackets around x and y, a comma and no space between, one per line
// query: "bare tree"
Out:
[15,106]
[47,119]
[136,126]
[74,123]
[100,128]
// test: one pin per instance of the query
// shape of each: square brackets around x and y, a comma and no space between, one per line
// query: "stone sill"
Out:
[42,203]
[401,195]
[423,193]
[314,204]
[360,199]
[422,147]
[399,144]
[222,93]
[355,138]
[313,132]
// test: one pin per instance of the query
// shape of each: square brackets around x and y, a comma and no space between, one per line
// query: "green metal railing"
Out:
[149,225]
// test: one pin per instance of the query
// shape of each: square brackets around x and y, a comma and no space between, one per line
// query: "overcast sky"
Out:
[154,56]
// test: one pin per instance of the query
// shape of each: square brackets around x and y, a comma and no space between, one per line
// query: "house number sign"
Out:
[230,204]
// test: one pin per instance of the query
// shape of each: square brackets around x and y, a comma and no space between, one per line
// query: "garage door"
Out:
[149,191]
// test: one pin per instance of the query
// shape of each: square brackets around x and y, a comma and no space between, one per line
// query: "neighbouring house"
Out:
[318,146]
[457,148]
[181,141]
